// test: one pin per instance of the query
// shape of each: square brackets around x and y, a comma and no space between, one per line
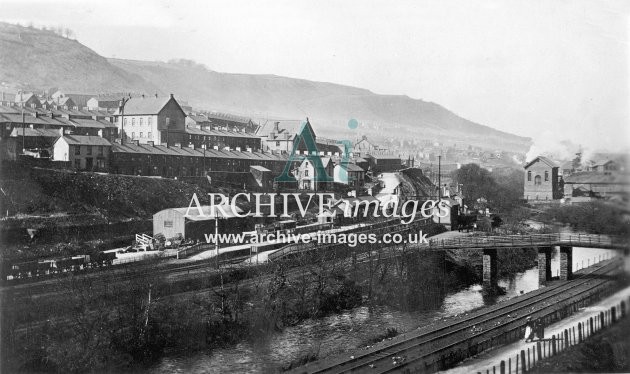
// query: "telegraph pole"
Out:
[23,131]
[439,184]
[122,120]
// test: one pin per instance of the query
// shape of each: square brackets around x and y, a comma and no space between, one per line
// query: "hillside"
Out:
[37,59]
[67,64]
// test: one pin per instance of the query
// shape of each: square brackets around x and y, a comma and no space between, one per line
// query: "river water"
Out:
[343,332]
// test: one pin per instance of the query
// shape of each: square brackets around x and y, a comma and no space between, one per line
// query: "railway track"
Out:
[410,353]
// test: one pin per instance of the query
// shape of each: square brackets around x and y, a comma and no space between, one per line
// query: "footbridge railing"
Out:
[515,241]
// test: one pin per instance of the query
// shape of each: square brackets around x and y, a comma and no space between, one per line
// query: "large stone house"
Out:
[152,119]
[542,181]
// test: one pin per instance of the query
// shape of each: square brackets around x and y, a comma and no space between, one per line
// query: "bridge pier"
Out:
[566,263]
[490,268]
[544,265]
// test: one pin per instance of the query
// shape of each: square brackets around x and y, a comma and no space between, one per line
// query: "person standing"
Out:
[529,331]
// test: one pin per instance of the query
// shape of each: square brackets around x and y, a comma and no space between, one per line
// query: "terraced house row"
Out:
[155,136]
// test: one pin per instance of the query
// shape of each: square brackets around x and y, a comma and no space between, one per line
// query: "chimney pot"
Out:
[171,96]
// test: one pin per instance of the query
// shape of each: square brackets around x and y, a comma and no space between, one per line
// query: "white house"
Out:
[84,152]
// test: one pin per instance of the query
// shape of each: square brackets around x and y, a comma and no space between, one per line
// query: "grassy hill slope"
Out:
[37,59]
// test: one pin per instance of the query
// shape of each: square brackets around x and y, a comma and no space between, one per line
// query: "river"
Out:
[343,332]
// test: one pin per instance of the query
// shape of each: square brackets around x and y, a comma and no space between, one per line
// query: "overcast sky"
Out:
[545,69]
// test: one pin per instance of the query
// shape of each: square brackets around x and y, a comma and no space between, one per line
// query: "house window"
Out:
[77,163]
[537,181]
[140,121]
[149,120]
[168,224]
[100,150]
[277,144]
[529,176]
[77,150]
[125,121]
[306,173]
[141,134]
[149,135]
[133,135]
[89,150]
[133,122]
[546,176]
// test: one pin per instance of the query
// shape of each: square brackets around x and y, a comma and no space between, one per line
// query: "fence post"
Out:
[538,351]
[590,321]
[529,363]
[502,367]
[622,307]
[509,365]
[553,345]
[613,314]
[601,320]
[579,332]
[523,363]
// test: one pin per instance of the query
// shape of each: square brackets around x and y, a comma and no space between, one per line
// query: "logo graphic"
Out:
[306,136]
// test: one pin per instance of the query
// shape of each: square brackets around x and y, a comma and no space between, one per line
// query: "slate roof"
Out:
[383,156]
[235,134]
[353,168]
[187,151]
[588,177]
[86,140]
[228,117]
[145,106]
[259,168]
[79,99]
[17,118]
[93,124]
[27,131]
[543,159]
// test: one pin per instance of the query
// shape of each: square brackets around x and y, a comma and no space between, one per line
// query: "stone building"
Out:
[542,181]
[152,119]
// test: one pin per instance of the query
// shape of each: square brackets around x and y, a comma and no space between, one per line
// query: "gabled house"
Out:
[106,103]
[83,152]
[64,103]
[349,174]
[79,99]
[542,181]
[307,176]
[365,147]
[27,100]
[152,119]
